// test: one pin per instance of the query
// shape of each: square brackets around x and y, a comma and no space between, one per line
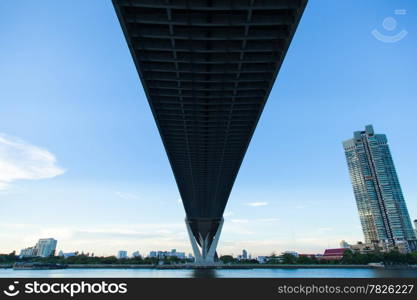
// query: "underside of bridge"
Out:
[207,68]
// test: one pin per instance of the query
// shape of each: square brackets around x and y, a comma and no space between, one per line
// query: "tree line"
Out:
[349,257]
[90,259]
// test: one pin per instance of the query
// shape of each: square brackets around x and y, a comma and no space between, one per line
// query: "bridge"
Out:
[207,68]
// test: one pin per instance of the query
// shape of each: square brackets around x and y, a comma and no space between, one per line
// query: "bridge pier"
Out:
[205,253]
[207,88]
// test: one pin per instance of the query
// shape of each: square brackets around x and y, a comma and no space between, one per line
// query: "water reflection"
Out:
[395,273]
[211,273]
[204,273]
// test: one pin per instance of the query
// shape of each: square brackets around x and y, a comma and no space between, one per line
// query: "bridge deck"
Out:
[207,68]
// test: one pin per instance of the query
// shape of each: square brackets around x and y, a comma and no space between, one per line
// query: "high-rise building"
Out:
[121,254]
[45,247]
[244,254]
[381,205]
[136,254]
[165,254]
[344,244]
[28,252]
[415,226]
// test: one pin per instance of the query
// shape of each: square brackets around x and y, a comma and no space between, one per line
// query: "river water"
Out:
[219,273]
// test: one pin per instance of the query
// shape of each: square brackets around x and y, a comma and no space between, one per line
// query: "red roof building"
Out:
[307,255]
[334,254]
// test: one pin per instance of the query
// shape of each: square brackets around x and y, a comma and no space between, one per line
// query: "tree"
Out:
[347,257]
[288,258]
[227,259]
[394,257]
[304,259]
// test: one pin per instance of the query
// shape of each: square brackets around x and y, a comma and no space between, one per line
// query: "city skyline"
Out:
[85,163]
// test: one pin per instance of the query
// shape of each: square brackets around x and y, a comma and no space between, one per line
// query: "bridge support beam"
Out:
[204,254]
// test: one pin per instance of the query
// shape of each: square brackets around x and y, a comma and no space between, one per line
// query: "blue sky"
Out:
[81,159]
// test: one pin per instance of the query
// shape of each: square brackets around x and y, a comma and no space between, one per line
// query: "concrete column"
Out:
[204,255]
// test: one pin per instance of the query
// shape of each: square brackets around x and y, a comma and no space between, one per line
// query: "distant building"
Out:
[121,254]
[403,247]
[180,255]
[262,259]
[243,256]
[28,252]
[382,209]
[162,254]
[66,255]
[136,254]
[174,253]
[46,247]
[344,244]
[415,226]
[334,254]
[364,247]
[43,248]
[165,254]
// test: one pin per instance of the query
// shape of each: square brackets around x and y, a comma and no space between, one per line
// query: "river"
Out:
[219,273]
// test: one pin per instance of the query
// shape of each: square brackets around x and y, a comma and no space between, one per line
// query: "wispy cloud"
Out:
[21,160]
[256,204]
[126,196]
[239,220]
[303,205]
[324,229]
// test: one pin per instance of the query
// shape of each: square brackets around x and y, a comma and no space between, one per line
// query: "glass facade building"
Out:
[382,210]
[46,247]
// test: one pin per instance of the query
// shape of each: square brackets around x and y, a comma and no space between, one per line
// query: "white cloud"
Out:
[303,206]
[324,229]
[239,220]
[127,196]
[20,160]
[300,206]
[257,204]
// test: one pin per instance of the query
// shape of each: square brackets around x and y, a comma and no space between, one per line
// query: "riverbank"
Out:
[225,266]
[191,266]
